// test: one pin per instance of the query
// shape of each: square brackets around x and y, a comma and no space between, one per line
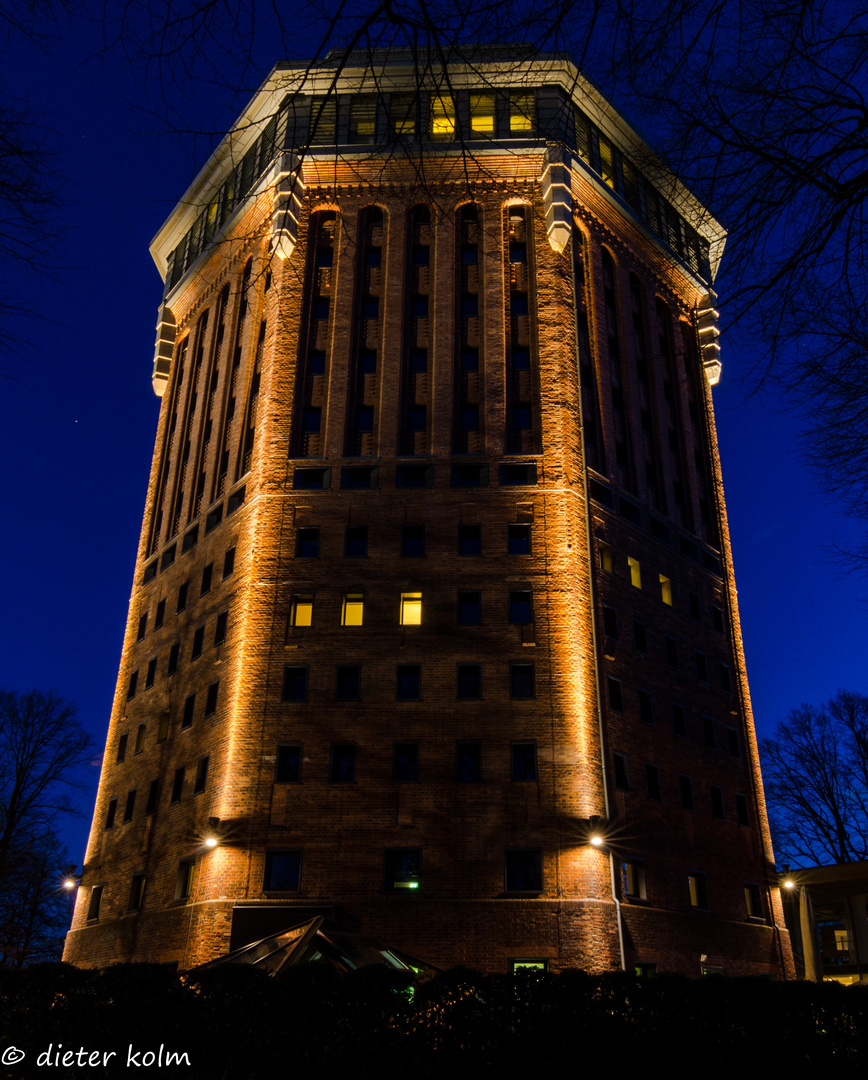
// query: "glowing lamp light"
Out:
[211,841]
[70,883]
[789,884]
[71,879]
[596,840]
[212,836]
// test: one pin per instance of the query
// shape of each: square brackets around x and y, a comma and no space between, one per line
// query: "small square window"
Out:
[521,681]
[235,500]
[130,806]
[312,479]
[413,541]
[133,683]
[353,609]
[635,572]
[184,879]
[111,813]
[406,762]
[518,539]
[137,892]
[153,796]
[288,768]
[307,543]
[189,707]
[367,478]
[163,728]
[201,775]
[207,574]
[213,519]
[741,814]
[151,673]
[409,682]
[282,871]
[220,628]
[411,609]
[140,738]
[732,742]
[228,563]
[616,696]
[343,763]
[198,642]
[523,761]
[160,616]
[672,652]
[469,608]
[150,572]
[402,113]
[697,887]
[470,359]
[665,590]
[716,802]
[633,878]
[174,654]
[182,597]
[301,609]
[166,561]
[640,637]
[294,683]
[122,749]
[178,785]
[419,357]
[520,359]
[685,790]
[523,870]
[469,475]
[470,418]
[753,901]
[517,474]
[143,627]
[521,607]
[348,682]
[414,476]
[469,539]
[470,306]
[622,772]
[468,762]
[610,622]
[469,682]
[604,553]
[356,541]
[482,113]
[679,721]
[521,112]
[708,732]
[701,666]
[652,782]
[646,707]
[211,698]
[403,870]
[725,680]
[442,117]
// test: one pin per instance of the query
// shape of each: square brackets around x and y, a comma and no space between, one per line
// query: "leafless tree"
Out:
[816,782]
[42,750]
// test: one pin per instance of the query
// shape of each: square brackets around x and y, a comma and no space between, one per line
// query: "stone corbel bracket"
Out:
[288,193]
[709,336]
[165,345]
[557,198]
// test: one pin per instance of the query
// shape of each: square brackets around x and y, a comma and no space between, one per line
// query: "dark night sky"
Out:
[79,416]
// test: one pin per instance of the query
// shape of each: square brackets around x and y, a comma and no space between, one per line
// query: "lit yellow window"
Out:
[607,162]
[482,113]
[411,609]
[665,590]
[605,556]
[635,573]
[354,609]
[302,610]
[442,117]
[521,112]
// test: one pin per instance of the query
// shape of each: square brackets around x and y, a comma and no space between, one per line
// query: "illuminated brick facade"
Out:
[434,568]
